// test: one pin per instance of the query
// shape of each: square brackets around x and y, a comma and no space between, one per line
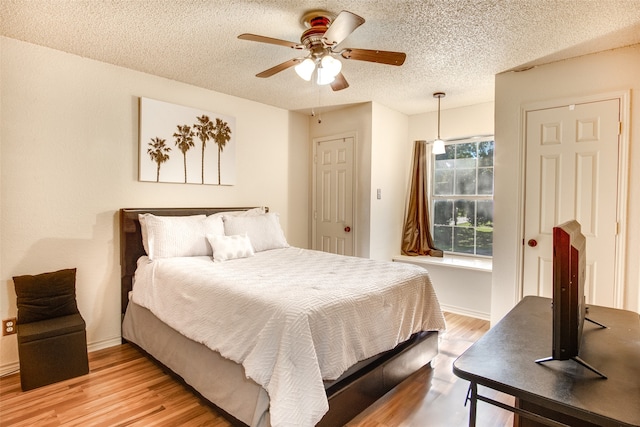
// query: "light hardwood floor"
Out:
[124,388]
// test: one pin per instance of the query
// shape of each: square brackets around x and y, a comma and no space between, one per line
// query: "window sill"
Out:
[468,263]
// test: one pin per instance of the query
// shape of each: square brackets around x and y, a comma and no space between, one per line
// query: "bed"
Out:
[310,376]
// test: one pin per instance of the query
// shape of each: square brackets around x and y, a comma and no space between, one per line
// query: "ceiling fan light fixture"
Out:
[438,144]
[331,65]
[305,69]
[324,77]
[328,69]
[324,32]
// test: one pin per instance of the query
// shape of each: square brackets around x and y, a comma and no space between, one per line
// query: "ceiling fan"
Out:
[321,40]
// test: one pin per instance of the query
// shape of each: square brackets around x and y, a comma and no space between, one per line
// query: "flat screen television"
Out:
[569,306]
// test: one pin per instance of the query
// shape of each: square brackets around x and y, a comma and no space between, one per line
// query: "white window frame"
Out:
[433,197]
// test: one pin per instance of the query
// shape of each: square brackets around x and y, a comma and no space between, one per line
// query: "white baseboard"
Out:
[99,345]
[9,368]
[466,312]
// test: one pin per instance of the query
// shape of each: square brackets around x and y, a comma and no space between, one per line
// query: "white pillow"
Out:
[264,230]
[173,236]
[230,247]
[248,212]
[213,224]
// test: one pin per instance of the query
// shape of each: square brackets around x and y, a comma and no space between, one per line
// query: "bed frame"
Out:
[349,395]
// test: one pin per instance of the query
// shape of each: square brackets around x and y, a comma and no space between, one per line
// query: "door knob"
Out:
[532,242]
[347,229]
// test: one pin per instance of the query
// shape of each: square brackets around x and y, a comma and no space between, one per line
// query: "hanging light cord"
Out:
[439,98]
[439,95]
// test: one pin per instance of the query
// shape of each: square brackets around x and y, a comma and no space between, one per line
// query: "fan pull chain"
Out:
[319,104]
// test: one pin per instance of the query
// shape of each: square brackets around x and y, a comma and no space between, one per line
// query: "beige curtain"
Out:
[416,235]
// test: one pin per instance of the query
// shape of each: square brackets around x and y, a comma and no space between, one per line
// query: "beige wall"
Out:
[460,290]
[357,119]
[606,72]
[454,122]
[381,162]
[390,162]
[385,145]
[69,150]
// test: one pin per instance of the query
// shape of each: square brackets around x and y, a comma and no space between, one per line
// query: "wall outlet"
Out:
[9,326]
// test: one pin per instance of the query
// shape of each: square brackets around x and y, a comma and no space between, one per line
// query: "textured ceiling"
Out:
[455,46]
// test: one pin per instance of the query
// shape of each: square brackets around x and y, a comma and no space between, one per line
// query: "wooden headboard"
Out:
[131,240]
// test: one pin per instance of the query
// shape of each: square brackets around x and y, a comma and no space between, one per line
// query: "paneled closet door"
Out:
[571,173]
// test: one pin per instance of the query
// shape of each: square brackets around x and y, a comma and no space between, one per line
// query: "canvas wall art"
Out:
[185,145]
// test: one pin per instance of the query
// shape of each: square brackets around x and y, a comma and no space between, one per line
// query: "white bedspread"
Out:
[292,317]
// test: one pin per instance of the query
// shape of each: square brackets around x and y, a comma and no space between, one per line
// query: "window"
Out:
[462,198]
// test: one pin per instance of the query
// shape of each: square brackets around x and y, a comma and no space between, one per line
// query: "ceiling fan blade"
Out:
[270,40]
[339,83]
[379,56]
[344,24]
[280,67]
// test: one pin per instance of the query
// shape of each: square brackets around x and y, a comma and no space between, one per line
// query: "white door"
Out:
[333,194]
[571,173]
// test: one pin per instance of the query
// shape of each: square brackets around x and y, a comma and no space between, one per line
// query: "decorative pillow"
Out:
[264,230]
[230,247]
[174,236]
[46,295]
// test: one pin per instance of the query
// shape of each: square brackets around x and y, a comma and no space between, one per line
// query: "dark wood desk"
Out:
[504,360]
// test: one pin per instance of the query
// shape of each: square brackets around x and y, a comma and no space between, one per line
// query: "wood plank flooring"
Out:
[124,388]
[435,397]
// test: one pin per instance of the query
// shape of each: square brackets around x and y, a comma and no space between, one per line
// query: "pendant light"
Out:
[438,144]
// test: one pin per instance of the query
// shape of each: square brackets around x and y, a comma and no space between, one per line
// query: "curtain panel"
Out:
[416,235]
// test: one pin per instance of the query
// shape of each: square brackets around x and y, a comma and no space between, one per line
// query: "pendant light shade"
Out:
[438,144]
[438,147]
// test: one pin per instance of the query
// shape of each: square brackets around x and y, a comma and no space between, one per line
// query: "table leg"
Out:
[473,388]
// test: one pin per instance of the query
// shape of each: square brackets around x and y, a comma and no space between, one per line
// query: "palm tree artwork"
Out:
[184,141]
[221,135]
[199,135]
[204,132]
[159,153]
